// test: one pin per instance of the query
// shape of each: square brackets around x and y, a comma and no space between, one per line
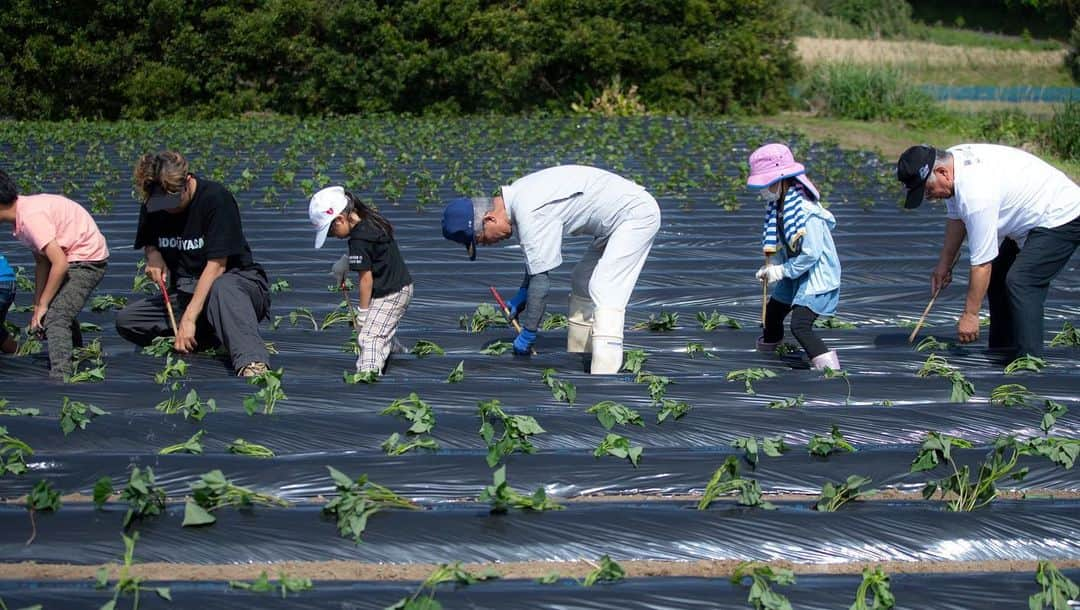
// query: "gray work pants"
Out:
[61,323]
[1019,281]
[237,301]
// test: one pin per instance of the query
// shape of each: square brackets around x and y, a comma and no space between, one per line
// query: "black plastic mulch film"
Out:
[703,260]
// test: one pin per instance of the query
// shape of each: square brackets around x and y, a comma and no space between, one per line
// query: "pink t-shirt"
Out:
[40,219]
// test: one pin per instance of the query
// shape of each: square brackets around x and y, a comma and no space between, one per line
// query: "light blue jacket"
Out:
[7,274]
[815,268]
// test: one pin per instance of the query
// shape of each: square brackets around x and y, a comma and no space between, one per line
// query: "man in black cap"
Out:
[1021,217]
[190,230]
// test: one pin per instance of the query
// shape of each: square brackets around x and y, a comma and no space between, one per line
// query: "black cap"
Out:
[912,170]
[159,199]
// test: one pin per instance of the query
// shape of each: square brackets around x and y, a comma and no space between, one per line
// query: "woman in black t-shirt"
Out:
[385,285]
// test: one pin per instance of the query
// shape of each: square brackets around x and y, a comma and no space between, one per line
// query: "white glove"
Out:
[359,317]
[340,269]
[770,273]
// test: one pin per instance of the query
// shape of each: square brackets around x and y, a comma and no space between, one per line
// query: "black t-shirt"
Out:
[371,248]
[209,227]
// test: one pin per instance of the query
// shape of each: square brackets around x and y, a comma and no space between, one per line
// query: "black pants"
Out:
[1019,281]
[237,301]
[802,326]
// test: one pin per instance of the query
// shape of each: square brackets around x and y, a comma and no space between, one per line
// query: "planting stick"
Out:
[506,312]
[926,311]
[765,291]
[168,304]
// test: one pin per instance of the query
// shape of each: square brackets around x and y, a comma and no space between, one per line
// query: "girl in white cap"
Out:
[806,281]
[385,286]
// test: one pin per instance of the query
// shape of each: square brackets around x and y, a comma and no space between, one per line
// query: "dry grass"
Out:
[903,53]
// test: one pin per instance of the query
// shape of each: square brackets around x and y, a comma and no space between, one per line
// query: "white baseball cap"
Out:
[325,206]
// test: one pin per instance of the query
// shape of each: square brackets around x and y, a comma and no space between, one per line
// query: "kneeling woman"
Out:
[385,285]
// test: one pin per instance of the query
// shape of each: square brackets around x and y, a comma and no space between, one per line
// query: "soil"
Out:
[351,570]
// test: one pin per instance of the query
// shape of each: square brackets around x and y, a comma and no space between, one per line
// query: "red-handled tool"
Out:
[506,312]
[168,304]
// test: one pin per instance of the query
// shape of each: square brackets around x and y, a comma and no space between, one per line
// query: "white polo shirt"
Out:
[565,200]
[1002,192]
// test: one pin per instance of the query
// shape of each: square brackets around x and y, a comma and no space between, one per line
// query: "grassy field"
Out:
[940,64]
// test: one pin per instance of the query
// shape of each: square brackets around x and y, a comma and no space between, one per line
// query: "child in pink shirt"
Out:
[71,256]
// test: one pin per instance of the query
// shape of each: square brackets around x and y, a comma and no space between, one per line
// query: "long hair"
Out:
[368,213]
[167,168]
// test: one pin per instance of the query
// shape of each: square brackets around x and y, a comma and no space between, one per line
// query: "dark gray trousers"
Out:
[61,323]
[236,303]
[1019,281]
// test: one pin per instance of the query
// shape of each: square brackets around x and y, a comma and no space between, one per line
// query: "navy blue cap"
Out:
[912,170]
[457,224]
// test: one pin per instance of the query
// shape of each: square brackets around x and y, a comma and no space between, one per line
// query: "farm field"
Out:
[703,454]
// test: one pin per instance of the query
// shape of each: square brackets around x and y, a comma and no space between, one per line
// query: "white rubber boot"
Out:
[828,359]
[579,325]
[607,341]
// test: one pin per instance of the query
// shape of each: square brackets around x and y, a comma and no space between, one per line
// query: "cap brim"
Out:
[915,197]
[471,249]
[320,235]
[160,201]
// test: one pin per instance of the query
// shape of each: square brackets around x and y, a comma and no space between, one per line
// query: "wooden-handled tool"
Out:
[509,314]
[168,305]
[933,297]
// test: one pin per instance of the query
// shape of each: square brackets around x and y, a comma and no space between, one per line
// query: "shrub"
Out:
[1062,134]
[878,18]
[1008,127]
[1072,58]
[865,93]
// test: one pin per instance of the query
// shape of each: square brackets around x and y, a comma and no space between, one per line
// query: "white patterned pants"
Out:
[376,337]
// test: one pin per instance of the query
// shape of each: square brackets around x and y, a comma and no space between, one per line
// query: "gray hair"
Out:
[481,206]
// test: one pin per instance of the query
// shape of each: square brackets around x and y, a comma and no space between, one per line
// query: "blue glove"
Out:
[524,341]
[518,301]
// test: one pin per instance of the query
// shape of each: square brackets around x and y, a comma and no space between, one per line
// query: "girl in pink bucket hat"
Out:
[806,281]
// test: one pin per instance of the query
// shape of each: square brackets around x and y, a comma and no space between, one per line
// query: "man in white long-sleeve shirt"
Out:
[1021,217]
[620,215]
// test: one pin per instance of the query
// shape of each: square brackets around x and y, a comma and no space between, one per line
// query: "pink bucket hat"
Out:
[774,162]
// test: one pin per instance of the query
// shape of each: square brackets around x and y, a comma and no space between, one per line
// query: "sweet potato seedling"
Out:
[414,410]
[1058,591]
[76,415]
[301,314]
[834,496]
[609,413]
[41,498]
[105,302]
[554,321]
[619,446]
[694,349]
[560,390]
[829,373]
[367,377]
[1026,362]
[126,584]
[425,348]
[935,365]
[144,498]
[279,286]
[357,501]
[213,491]
[714,320]
[159,346]
[502,497]
[1011,395]
[832,322]
[607,571]
[931,344]
[749,376]
[29,344]
[13,454]
[87,364]
[191,445]
[458,374]
[1061,451]
[270,392]
[657,385]
[424,596]
[824,446]
[725,480]
[497,348]
[191,407]
[762,577]
[174,369]
[1068,337]
[875,583]
[103,490]
[665,322]
[17,411]
[242,447]
[772,446]
[485,315]
[516,430]
[964,493]
[633,360]
[393,445]
[787,403]
[672,408]
[341,315]
[285,584]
